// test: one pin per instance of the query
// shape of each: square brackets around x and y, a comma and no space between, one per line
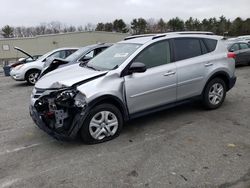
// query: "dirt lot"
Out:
[181,147]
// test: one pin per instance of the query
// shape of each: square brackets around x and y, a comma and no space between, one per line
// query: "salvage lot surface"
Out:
[181,147]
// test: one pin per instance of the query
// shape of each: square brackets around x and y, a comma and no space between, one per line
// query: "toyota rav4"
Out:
[134,77]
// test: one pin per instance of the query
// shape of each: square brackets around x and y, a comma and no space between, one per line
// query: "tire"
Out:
[96,129]
[32,76]
[214,94]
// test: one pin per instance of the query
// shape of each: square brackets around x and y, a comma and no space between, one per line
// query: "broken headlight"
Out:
[80,101]
[70,98]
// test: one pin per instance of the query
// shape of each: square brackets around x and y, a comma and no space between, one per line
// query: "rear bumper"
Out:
[232,82]
[65,136]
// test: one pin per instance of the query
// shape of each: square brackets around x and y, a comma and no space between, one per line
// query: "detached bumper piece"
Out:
[61,122]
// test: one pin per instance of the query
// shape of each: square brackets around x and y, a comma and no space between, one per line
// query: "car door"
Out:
[190,66]
[244,53]
[156,86]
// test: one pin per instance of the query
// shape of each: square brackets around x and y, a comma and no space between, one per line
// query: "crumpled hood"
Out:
[66,77]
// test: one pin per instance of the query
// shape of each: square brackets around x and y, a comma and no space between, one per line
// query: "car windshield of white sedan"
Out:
[113,57]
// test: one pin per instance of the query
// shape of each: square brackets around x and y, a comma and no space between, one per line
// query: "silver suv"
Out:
[137,76]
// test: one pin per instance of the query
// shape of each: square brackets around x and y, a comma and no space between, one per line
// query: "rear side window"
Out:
[211,44]
[155,55]
[234,48]
[187,48]
[243,46]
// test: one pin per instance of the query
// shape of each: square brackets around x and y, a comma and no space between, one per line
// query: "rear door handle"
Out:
[209,64]
[169,73]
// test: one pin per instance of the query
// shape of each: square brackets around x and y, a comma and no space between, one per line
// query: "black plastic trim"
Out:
[162,107]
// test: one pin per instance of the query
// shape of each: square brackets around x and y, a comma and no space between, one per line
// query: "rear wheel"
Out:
[214,93]
[103,123]
[32,76]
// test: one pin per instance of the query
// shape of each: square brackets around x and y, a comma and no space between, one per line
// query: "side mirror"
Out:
[137,67]
[86,58]
[231,50]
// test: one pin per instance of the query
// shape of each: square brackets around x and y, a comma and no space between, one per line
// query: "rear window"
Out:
[211,44]
[187,48]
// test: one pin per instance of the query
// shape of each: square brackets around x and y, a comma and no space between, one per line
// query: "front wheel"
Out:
[214,93]
[32,76]
[104,122]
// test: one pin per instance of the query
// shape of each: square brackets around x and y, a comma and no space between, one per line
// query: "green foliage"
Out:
[176,24]
[7,31]
[139,26]
[120,26]
[219,26]
[162,26]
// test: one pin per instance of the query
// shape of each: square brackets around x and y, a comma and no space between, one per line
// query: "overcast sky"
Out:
[81,12]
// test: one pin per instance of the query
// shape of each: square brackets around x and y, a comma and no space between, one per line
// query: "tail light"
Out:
[231,55]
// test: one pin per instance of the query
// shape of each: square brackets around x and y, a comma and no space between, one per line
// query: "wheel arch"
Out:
[28,71]
[111,99]
[222,75]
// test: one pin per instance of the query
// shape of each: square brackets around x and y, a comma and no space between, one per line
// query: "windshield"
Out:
[75,56]
[113,57]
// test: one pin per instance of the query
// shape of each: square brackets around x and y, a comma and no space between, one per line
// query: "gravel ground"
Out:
[181,147]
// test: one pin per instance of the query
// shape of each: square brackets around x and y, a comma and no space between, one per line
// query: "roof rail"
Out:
[139,36]
[159,36]
[192,32]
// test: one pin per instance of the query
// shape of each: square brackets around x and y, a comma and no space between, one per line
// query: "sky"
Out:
[82,12]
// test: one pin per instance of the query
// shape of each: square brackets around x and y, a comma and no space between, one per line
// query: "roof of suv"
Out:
[142,39]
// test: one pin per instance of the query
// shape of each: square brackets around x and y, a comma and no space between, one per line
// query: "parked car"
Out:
[31,71]
[245,38]
[241,50]
[28,59]
[132,78]
[83,55]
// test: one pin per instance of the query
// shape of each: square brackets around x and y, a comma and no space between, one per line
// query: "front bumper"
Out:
[69,135]
[16,75]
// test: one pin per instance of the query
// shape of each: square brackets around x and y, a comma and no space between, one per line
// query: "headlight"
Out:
[71,98]
[19,66]
[66,95]
[80,101]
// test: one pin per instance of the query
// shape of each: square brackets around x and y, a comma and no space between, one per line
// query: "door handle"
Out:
[169,73]
[209,64]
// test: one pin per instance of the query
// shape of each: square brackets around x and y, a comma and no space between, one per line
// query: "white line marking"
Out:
[20,148]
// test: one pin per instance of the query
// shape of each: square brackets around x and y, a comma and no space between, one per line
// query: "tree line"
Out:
[219,26]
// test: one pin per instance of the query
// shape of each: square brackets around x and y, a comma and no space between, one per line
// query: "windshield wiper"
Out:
[90,67]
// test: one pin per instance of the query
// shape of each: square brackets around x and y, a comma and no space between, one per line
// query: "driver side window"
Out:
[155,55]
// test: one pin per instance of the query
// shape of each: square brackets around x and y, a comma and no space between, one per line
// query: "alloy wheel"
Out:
[103,124]
[216,93]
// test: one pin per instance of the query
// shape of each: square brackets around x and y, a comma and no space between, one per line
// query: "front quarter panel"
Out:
[111,84]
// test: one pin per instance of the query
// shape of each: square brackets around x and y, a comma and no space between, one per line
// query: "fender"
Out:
[113,100]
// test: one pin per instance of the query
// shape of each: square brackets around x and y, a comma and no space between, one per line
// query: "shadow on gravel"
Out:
[21,84]
[138,124]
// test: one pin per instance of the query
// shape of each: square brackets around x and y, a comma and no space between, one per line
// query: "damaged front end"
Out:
[60,113]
